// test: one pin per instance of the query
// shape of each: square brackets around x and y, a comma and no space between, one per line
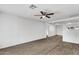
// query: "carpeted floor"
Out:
[50,46]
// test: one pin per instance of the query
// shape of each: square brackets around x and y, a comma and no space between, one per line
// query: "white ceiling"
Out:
[62,11]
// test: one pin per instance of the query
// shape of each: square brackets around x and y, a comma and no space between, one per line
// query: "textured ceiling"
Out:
[62,11]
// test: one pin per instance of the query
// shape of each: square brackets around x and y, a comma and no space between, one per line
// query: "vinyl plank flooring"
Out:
[53,46]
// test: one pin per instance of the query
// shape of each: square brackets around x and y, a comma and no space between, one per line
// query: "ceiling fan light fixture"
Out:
[43,16]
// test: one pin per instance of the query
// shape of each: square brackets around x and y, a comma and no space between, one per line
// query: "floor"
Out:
[51,46]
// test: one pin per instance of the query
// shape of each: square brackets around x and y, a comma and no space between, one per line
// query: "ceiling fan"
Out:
[44,14]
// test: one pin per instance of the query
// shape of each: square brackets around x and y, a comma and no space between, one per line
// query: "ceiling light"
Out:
[32,6]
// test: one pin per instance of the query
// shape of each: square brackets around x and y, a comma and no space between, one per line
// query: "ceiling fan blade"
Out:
[41,17]
[47,16]
[43,13]
[50,14]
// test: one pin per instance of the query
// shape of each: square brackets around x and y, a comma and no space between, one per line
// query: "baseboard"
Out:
[71,42]
[27,42]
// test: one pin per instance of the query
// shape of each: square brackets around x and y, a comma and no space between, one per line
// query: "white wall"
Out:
[59,29]
[70,35]
[15,30]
